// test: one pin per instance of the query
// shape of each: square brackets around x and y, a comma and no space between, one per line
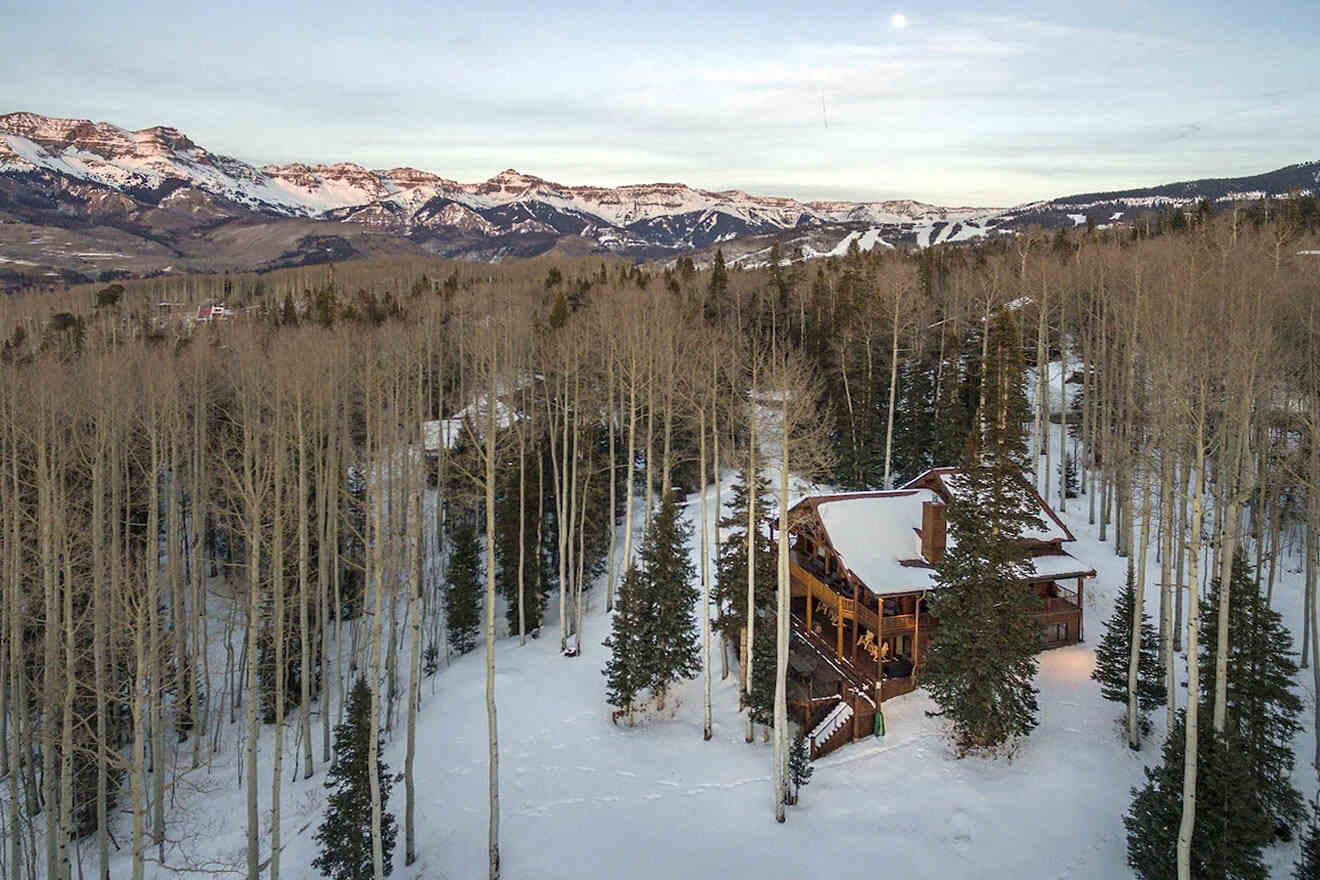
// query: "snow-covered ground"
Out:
[581,797]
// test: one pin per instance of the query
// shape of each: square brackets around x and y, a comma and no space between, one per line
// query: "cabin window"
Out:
[1054,632]
[904,646]
[891,607]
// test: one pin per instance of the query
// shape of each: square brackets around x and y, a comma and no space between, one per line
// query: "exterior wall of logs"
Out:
[854,646]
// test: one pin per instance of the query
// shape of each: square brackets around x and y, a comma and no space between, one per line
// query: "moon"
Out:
[898,20]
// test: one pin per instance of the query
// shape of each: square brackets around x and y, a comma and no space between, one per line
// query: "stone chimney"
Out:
[933,531]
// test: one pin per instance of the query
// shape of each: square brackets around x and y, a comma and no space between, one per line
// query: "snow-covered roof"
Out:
[878,535]
[947,483]
[1060,565]
[875,533]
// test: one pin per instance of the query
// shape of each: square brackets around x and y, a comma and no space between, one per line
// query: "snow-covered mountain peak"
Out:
[511,181]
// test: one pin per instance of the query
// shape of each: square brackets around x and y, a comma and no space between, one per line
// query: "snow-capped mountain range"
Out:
[155,164]
[159,200]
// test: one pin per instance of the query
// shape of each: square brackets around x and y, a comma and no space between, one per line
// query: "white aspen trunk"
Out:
[1313,556]
[337,461]
[492,728]
[70,680]
[279,491]
[1184,486]
[414,678]
[579,605]
[630,467]
[1166,587]
[666,460]
[570,472]
[751,550]
[893,392]
[522,532]
[1138,606]
[560,469]
[705,576]
[719,503]
[376,552]
[50,638]
[1275,536]
[199,509]
[610,415]
[140,753]
[323,465]
[1235,494]
[304,573]
[1185,827]
[650,445]
[184,674]
[15,639]
[99,627]
[1040,442]
[781,617]
[253,503]
[156,661]
[1063,408]
[1312,568]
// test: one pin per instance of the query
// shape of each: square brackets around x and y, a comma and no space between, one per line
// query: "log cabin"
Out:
[860,566]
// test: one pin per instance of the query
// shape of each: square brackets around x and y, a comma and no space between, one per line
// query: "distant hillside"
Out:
[89,200]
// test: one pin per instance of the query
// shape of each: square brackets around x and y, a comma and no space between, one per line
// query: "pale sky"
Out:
[955,103]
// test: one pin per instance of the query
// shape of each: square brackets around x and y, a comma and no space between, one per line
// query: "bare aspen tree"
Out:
[279,454]
[253,496]
[898,289]
[803,444]
[415,484]
[492,390]
[611,413]
[376,462]
[753,416]
[1134,656]
[304,514]
[14,615]
[1188,821]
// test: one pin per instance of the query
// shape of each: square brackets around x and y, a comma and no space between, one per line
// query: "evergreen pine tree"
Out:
[625,676]
[914,421]
[982,660]
[344,837]
[717,292]
[799,764]
[951,416]
[1226,838]
[1308,860]
[1069,476]
[761,701]
[463,587]
[1113,655]
[1261,706]
[536,579]
[730,593]
[670,622]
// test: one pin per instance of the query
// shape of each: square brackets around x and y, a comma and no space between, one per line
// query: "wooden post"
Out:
[916,635]
[811,599]
[854,629]
[1080,614]
[839,632]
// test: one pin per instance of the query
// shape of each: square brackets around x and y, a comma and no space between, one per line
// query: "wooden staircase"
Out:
[856,706]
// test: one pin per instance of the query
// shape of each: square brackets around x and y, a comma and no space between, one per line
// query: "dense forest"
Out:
[210,525]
